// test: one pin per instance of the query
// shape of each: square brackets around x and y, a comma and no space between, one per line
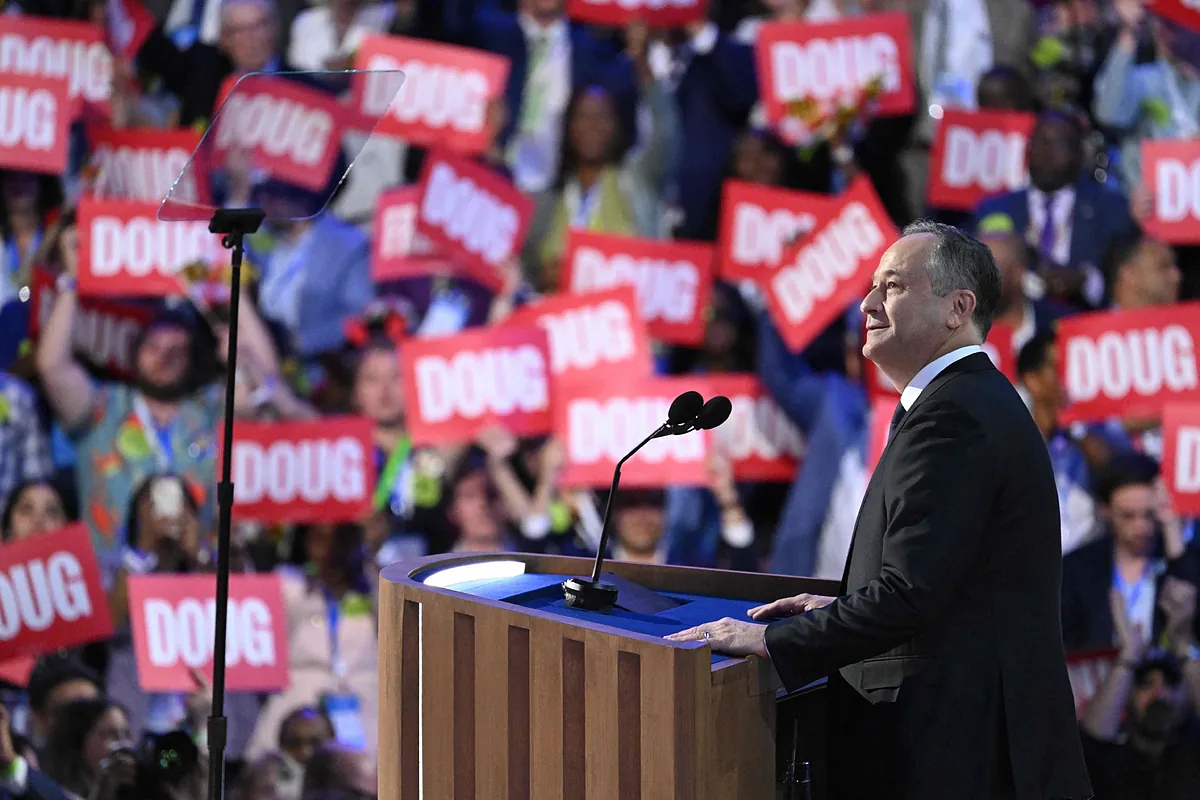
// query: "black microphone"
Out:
[593,594]
[714,413]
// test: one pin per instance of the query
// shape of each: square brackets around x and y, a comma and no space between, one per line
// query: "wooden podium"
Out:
[492,699]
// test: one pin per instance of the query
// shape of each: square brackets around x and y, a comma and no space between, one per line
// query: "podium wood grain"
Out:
[486,700]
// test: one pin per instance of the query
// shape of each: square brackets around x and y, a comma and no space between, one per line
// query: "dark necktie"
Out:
[897,418]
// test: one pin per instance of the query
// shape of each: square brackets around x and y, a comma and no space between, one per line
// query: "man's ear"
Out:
[962,306]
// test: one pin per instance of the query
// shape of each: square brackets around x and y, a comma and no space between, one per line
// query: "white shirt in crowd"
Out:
[315,40]
[956,52]
[534,149]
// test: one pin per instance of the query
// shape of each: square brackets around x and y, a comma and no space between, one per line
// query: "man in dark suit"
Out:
[947,676]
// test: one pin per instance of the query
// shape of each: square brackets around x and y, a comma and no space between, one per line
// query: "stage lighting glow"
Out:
[450,577]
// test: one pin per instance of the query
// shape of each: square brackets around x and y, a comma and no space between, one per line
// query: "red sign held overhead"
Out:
[600,421]
[1181,456]
[592,334]
[655,13]
[1172,172]
[673,280]
[830,268]
[759,440]
[397,250]
[458,385]
[127,23]
[173,620]
[142,163]
[472,214]
[758,223]
[1128,364]
[320,471]
[1183,12]
[443,98]
[833,63]
[976,154]
[125,251]
[17,670]
[293,131]
[35,118]
[53,48]
[51,594]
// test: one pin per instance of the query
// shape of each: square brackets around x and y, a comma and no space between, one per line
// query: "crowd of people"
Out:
[632,132]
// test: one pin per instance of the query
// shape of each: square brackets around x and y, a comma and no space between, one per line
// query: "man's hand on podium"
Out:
[730,636]
[790,606]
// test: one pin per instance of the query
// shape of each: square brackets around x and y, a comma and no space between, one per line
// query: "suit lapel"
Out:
[972,363]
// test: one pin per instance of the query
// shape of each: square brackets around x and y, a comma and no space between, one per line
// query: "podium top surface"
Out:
[533,583]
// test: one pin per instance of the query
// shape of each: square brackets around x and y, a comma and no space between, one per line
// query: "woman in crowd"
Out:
[83,738]
[33,507]
[333,646]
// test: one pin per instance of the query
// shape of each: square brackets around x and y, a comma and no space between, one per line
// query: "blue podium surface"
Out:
[542,592]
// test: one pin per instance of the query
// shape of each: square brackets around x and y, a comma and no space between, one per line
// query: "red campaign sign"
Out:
[105,331]
[51,594]
[599,421]
[976,154]
[35,119]
[458,385]
[655,13]
[830,268]
[1128,364]
[1087,671]
[1172,173]
[673,280]
[832,63]
[882,409]
[127,23]
[760,441]
[397,250]
[471,213]
[1181,456]
[143,163]
[444,98]
[17,671]
[312,471]
[293,131]
[125,251]
[173,621]
[1183,12]
[53,48]
[599,333]
[757,225]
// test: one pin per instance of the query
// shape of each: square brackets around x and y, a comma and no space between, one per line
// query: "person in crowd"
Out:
[54,685]
[527,504]
[84,736]
[165,421]
[249,32]
[603,184]
[33,507]
[553,58]
[1026,316]
[474,511]
[264,780]
[25,198]
[1159,99]
[1140,271]
[302,733]
[333,645]
[1004,88]
[338,772]
[164,535]
[18,779]
[1132,729]
[1037,371]
[24,446]
[326,36]
[316,272]
[1068,219]
[1142,554]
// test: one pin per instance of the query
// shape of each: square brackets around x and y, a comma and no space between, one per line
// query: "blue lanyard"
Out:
[333,613]
[12,255]
[1132,593]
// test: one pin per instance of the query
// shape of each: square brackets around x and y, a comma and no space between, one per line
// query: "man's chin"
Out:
[164,392]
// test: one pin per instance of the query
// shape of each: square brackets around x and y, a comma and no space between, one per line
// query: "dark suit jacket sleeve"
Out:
[40,787]
[939,488]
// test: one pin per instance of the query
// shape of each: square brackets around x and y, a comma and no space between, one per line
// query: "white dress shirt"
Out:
[534,149]
[314,38]
[931,371]
[1059,207]
[957,51]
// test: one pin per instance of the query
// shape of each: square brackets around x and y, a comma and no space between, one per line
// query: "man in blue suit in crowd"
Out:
[18,781]
[1069,218]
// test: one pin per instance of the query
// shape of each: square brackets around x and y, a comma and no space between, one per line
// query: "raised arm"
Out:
[68,386]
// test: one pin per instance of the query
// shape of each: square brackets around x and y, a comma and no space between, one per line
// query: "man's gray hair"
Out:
[959,261]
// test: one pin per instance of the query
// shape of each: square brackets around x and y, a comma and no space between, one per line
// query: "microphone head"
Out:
[685,408]
[714,412]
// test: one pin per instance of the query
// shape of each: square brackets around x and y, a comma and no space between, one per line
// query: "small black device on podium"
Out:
[688,413]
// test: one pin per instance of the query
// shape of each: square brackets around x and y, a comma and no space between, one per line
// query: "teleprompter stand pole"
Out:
[233,224]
